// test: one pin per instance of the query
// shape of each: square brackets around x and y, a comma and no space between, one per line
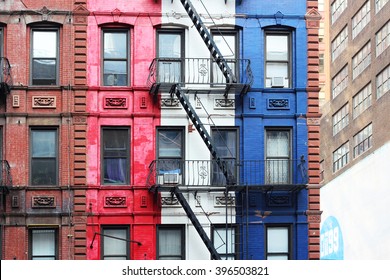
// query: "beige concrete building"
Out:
[355,131]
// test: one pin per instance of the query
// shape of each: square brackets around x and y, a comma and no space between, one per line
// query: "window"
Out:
[337,8]
[339,43]
[379,4]
[362,141]
[45,45]
[340,81]
[383,82]
[170,54]
[361,19]
[322,170]
[340,119]
[382,39]
[226,40]
[115,243]
[225,142]
[225,241]
[43,244]
[361,60]
[116,155]
[1,41]
[170,153]
[361,101]
[278,243]
[115,57]
[277,64]
[277,164]
[341,157]
[170,242]
[44,156]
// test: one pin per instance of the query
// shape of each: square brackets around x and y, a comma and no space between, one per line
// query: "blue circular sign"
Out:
[331,238]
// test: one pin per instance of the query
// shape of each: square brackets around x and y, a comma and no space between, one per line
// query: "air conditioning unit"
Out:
[277,82]
[169,179]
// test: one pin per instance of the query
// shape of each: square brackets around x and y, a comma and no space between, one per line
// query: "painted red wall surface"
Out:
[139,212]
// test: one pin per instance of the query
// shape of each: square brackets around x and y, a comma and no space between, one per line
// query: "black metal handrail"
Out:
[5,76]
[197,71]
[202,173]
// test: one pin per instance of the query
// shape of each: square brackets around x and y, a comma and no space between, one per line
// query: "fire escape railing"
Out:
[279,173]
[164,72]
[5,76]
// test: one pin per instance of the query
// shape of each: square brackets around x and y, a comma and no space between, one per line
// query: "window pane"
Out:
[115,73]
[43,244]
[115,248]
[43,172]
[278,144]
[169,45]
[44,71]
[277,240]
[169,244]
[45,44]
[115,156]
[221,243]
[115,45]
[277,47]
[170,143]
[277,69]
[43,143]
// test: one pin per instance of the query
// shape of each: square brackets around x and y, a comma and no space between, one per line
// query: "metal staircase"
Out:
[206,36]
[190,214]
[176,90]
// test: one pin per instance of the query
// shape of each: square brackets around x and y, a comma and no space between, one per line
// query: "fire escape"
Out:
[5,89]
[223,77]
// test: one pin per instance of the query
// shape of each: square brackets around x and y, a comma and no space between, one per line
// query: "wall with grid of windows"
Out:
[359,94]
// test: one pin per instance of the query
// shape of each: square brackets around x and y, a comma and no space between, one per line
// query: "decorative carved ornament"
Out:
[115,103]
[225,201]
[44,102]
[313,216]
[224,103]
[169,201]
[278,103]
[170,103]
[43,202]
[115,201]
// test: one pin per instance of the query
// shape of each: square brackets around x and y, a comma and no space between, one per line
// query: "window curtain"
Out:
[169,244]
[43,244]
[115,248]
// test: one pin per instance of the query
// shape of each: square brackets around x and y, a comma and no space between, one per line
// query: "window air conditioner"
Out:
[169,179]
[277,82]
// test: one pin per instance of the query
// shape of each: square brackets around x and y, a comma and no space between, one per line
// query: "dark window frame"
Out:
[31,240]
[127,153]
[127,59]
[231,160]
[228,32]
[181,228]
[51,29]
[289,130]
[233,227]
[104,235]
[289,253]
[54,129]
[169,60]
[290,75]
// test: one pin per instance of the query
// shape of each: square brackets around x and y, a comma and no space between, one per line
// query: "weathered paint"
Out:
[140,17]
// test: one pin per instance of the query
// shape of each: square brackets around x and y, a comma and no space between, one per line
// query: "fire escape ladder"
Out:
[176,89]
[206,37]
[190,214]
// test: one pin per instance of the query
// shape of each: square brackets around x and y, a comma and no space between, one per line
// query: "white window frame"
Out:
[361,19]
[337,8]
[382,39]
[340,43]
[362,100]
[341,157]
[361,60]
[383,82]
[362,141]
[340,119]
[340,81]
